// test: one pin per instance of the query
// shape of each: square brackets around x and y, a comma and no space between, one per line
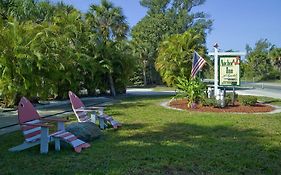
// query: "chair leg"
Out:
[93,118]
[44,141]
[61,126]
[101,122]
[57,144]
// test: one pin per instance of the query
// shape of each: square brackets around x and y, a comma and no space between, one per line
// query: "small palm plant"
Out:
[192,89]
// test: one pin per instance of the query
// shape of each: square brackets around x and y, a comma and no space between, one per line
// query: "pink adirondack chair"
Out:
[36,130]
[96,113]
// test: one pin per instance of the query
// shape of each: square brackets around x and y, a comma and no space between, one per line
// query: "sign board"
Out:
[229,70]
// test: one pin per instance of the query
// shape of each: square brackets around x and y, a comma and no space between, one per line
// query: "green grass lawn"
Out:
[163,88]
[269,100]
[156,140]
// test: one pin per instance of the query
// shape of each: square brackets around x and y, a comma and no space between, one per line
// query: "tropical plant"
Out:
[109,23]
[164,18]
[247,100]
[275,56]
[176,54]
[192,89]
[258,64]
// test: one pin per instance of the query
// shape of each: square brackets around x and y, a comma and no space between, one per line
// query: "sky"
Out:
[236,22]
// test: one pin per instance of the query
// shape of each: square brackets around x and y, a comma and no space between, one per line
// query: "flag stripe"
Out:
[198,63]
[198,67]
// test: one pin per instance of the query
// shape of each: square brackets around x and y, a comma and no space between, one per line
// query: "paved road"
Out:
[262,89]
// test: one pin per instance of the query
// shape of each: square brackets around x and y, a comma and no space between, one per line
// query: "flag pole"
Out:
[216,46]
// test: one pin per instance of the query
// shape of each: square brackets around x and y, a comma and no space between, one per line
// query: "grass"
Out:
[156,140]
[269,100]
[163,88]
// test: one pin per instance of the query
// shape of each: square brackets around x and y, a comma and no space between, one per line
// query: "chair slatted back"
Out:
[76,103]
[28,114]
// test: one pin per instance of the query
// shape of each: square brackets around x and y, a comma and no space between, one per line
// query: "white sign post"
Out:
[216,55]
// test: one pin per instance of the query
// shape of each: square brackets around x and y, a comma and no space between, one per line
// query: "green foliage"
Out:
[275,56]
[247,100]
[259,61]
[176,54]
[109,23]
[146,37]
[193,89]
[164,18]
[50,49]
[229,98]
[209,102]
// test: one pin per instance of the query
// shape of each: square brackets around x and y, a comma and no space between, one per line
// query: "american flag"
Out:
[198,63]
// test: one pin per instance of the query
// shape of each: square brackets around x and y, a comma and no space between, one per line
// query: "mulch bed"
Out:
[182,104]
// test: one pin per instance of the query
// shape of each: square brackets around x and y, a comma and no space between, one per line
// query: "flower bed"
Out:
[182,104]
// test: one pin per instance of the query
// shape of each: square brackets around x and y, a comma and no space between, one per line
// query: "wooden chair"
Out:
[96,113]
[36,130]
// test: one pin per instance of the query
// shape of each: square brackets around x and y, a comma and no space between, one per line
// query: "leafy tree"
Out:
[258,64]
[176,55]
[147,35]
[27,10]
[275,56]
[109,23]
[163,19]
[18,65]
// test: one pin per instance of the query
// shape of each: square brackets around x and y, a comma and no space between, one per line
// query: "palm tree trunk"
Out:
[144,73]
[111,83]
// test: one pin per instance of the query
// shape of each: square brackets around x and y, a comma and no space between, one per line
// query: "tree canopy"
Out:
[48,49]
[163,19]
[176,54]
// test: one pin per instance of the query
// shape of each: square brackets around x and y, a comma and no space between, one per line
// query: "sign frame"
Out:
[237,83]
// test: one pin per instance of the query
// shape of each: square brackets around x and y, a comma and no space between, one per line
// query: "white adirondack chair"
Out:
[96,113]
[36,130]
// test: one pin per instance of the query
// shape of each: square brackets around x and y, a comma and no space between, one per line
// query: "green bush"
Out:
[228,98]
[247,100]
[209,102]
[193,89]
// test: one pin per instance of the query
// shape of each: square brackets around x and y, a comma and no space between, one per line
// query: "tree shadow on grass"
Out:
[136,148]
[185,148]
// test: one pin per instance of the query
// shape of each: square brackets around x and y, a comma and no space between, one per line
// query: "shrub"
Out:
[247,100]
[209,102]
[193,89]
[228,98]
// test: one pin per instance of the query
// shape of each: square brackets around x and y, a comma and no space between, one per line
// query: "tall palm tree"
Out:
[110,24]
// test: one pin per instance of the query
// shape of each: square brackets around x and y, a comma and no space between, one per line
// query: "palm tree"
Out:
[176,53]
[275,55]
[109,23]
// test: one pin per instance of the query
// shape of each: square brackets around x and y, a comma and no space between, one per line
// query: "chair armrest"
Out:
[84,110]
[54,119]
[94,107]
[88,109]
[37,124]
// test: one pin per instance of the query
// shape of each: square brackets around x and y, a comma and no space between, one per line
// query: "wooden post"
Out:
[233,95]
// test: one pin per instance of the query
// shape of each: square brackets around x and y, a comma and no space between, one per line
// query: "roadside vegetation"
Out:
[156,140]
[47,49]
[268,100]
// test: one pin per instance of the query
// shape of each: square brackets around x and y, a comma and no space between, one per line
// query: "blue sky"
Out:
[236,22]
